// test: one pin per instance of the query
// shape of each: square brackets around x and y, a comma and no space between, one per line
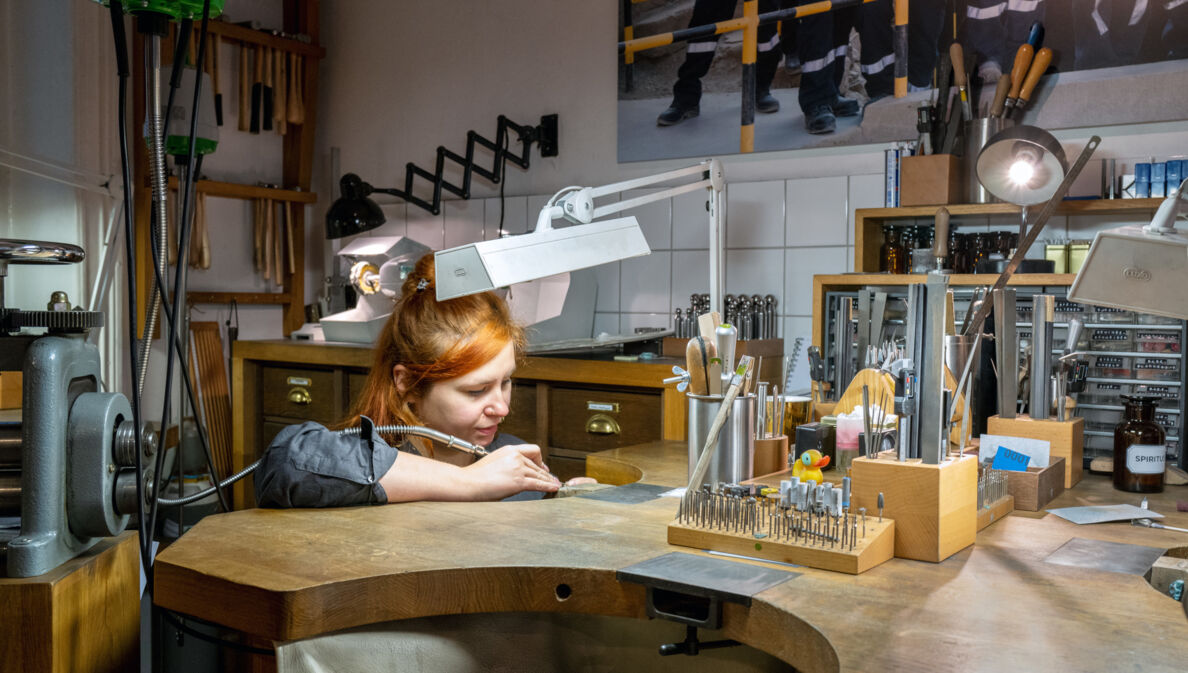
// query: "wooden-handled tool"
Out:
[698,353]
[940,238]
[279,93]
[244,91]
[957,55]
[215,43]
[296,111]
[1000,95]
[204,242]
[257,89]
[1043,58]
[257,235]
[278,242]
[290,236]
[1018,73]
[266,212]
[266,90]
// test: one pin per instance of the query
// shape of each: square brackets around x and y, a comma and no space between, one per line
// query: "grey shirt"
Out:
[308,465]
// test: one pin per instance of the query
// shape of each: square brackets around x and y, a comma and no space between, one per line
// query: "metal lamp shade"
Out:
[1010,145]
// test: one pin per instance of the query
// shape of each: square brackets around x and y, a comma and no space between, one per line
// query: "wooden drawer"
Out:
[521,419]
[591,419]
[298,393]
[355,381]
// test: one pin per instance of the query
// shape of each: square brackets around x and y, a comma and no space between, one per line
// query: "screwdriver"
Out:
[957,55]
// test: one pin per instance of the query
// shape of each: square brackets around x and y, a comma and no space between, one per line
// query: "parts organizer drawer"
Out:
[307,394]
[585,419]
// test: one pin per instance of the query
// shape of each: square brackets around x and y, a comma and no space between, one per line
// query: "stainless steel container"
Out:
[977,132]
[733,460]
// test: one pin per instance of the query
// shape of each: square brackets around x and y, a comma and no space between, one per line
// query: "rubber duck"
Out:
[808,466]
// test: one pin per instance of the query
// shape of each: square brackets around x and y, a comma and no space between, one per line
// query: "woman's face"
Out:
[471,406]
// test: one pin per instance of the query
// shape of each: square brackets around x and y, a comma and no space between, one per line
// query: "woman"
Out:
[445,365]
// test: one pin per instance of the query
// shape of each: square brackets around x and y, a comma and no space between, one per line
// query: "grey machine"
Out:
[67,459]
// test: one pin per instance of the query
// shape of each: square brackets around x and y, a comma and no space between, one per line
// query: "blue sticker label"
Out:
[1012,461]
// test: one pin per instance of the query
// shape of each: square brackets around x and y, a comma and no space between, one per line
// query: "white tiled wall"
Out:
[779,233]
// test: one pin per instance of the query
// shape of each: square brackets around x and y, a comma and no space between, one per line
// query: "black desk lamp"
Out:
[353,213]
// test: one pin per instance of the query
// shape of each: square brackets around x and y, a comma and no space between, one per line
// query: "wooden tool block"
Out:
[1067,439]
[10,390]
[83,616]
[998,509]
[1038,486]
[934,506]
[1167,569]
[871,549]
[771,455]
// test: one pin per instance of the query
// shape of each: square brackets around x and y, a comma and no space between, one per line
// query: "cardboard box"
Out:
[10,390]
[931,180]
[1036,487]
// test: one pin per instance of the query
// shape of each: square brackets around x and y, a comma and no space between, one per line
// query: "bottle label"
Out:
[1145,458]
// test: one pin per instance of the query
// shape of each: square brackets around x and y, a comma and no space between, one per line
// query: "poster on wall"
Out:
[827,79]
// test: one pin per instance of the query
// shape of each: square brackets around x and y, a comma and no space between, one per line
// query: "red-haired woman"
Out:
[445,365]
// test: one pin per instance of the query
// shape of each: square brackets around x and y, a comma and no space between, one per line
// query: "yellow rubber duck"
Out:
[808,466]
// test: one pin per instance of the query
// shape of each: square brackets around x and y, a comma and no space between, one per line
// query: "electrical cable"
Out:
[123,73]
[176,622]
[195,497]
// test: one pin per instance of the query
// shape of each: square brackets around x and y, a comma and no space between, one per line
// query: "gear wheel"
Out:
[57,321]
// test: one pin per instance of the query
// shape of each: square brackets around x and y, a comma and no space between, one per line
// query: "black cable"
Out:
[123,72]
[178,624]
[502,183]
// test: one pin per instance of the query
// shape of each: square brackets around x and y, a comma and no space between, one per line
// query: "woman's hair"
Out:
[435,341]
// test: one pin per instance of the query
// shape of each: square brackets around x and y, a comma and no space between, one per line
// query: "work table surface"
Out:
[996,606]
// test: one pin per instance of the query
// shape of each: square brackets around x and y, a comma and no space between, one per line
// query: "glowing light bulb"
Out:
[1021,172]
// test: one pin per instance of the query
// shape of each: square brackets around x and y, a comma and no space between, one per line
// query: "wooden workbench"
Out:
[996,606]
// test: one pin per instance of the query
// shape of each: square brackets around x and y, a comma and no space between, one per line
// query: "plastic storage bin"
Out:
[1157,341]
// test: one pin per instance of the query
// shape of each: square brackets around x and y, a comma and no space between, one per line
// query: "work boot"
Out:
[765,102]
[820,120]
[675,114]
[845,107]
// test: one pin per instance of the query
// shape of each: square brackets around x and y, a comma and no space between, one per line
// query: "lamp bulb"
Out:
[1021,172]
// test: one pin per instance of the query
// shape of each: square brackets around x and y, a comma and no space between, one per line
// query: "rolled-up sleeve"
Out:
[308,465]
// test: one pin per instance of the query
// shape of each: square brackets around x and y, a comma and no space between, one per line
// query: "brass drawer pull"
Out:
[601,424]
[300,396]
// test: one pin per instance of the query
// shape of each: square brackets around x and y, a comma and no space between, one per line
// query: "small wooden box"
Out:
[10,390]
[771,455]
[930,180]
[934,506]
[1067,440]
[1038,486]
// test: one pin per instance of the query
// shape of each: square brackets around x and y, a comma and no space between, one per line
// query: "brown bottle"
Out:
[1139,447]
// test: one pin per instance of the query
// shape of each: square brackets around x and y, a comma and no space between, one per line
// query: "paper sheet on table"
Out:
[1104,513]
[1038,449]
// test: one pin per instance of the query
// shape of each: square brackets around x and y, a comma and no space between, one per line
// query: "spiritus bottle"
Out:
[1139,447]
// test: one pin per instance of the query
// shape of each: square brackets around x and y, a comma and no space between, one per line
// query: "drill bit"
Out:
[880,507]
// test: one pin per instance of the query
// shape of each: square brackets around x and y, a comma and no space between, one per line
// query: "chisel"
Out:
[296,110]
[280,93]
[1018,73]
[957,55]
[244,91]
[1043,58]
[257,91]
[1000,95]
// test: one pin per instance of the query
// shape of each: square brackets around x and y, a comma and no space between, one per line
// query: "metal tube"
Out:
[10,447]
[1043,313]
[160,193]
[10,494]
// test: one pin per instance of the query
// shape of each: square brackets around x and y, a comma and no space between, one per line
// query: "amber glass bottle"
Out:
[1139,447]
[891,256]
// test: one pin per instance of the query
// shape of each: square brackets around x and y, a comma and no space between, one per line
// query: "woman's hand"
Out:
[508,471]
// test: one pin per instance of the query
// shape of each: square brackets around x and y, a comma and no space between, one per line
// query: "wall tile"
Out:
[646,283]
[425,227]
[690,274]
[800,265]
[655,219]
[816,211]
[606,323]
[463,222]
[690,221]
[515,216]
[865,191]
[755,215]
[758,272]
[608,286]
[629,321]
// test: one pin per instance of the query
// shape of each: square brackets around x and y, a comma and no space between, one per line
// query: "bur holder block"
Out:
[934,506]
[1067,439]
[771,455]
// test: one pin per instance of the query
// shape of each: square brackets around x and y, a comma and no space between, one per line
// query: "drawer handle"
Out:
[300,396]
[601,424]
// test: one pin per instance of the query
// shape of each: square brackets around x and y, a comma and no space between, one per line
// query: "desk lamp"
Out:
[1140,267]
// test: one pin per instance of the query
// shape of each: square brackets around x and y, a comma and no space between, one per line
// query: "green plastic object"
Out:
[174,9]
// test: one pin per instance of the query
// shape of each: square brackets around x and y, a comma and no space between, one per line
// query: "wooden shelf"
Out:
[230,31]
[868,222]
[234,190]
[280,298]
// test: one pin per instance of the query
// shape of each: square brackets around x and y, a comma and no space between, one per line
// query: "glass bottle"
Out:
[890,251]
[1139,447]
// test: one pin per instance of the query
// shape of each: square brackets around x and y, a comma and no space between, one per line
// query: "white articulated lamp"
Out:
[548,250]
[1140,267]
